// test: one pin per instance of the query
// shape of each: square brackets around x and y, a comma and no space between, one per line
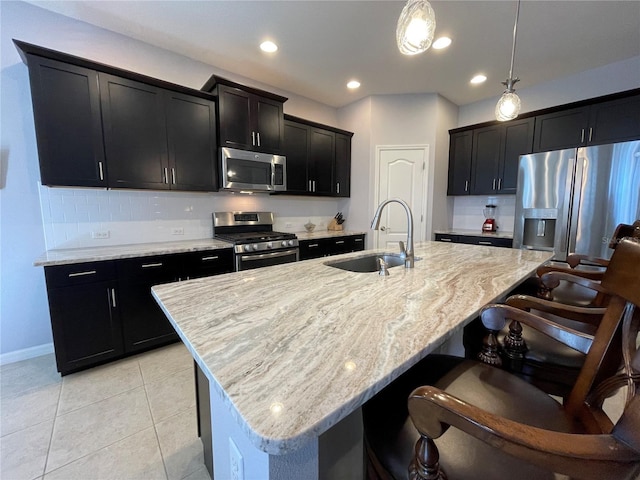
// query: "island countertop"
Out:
[293,349]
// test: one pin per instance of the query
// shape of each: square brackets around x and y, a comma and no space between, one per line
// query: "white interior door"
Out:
[401,173]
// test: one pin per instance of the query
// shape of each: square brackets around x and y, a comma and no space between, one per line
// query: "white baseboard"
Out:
[26,353]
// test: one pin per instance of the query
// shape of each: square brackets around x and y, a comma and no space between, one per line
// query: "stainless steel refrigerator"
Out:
[570,201]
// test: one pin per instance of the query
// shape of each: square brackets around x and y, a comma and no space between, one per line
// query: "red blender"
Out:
[489,224]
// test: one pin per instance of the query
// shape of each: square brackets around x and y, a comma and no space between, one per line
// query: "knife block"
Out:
[333,225]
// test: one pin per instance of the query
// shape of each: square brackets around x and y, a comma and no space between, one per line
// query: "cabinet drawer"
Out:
[205,263]
[156,269]
[79,273]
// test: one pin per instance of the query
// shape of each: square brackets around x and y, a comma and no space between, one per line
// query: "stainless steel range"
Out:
[255,242]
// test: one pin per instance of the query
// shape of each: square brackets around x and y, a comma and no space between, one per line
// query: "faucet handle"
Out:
[384,268]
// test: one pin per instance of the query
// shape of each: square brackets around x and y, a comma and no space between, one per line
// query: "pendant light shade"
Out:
[416,27]
[508,106]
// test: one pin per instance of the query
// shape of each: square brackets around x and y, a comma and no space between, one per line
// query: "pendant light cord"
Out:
[513,48]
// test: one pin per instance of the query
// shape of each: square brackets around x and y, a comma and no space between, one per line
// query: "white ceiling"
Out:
[323,44]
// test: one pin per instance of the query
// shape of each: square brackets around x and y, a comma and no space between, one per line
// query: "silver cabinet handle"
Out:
[493,186]
[359,240]
[173,175]
[100,170]
[209,259]
[113,298]
[582,136]
[258,135]
[166,175]
[338,187]
[312,245]
[80,274]
[499,184]
[310,186]
[442,239]
[152,265]
[466,185]
[485,243]
[339,242]
[253,138]
[314,185]
[590,133]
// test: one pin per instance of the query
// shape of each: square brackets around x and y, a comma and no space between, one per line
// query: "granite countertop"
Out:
[293,349]
[476,233]
[115,252]
[67,256]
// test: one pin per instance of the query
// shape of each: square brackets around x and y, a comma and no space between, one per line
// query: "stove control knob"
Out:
[290,243]
[255,246]
[269,245]
[284,243]
[247,248]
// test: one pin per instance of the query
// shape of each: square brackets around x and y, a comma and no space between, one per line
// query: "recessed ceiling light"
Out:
[353,84]
[478,79]
[442,42]
[268,46]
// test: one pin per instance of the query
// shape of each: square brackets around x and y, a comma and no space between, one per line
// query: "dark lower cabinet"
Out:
[475,240]
[85,318]
[324,247]
[147,325]
[101,311]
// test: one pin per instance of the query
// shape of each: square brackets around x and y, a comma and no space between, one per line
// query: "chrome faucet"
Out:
[407,253]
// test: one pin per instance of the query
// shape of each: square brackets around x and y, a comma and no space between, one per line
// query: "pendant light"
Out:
[416,27]
[508,106]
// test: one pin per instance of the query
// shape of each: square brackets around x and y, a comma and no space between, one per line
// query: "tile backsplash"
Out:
[84,217]
[467,212]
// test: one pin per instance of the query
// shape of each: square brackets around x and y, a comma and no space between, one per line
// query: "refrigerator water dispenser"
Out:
[539,232]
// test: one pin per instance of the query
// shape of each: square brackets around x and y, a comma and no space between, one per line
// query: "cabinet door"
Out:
[234,107]
[565,129]
[144,324]
[615,121]
[342,167]
[269,125]
[296,149]
[85,320]
[486,159]
[191,124]
[205,263]
[320,247]
[517,139]
[66,108]
[460,163]
[321,159]
[135,133]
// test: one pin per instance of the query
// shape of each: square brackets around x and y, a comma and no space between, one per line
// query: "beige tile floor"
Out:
[131,419]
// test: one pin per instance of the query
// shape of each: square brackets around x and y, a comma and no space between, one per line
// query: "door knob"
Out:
[383,229]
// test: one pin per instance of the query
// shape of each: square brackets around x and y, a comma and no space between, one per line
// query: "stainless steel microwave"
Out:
[252,171]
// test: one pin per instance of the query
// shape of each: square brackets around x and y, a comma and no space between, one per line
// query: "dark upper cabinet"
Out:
[321,159]
[318,158]
[615,121]
[558,130]
[249,121]
[85,319]
[342,171]
[296,149]
[191,127]
[460,146]
[99,126]
[496,152]
[135,133]
[66,107]
[599,123]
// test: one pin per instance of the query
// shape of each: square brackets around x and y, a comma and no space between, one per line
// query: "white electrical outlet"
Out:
[177,231]
[235,462]
[100,234]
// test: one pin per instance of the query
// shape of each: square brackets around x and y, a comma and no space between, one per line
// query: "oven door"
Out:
[256,260]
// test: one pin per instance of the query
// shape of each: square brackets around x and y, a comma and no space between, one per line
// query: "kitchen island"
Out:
[291,352]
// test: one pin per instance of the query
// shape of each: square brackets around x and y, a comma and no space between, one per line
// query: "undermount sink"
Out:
[369,263]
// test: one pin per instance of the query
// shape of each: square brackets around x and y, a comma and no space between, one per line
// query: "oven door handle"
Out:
[262,256]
